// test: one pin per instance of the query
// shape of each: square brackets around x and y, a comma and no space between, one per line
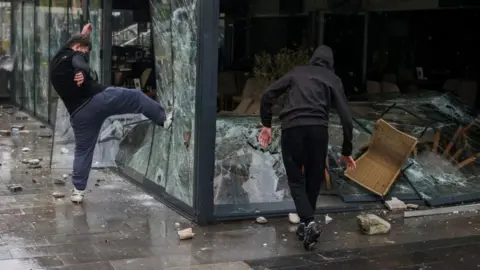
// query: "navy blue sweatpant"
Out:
[87,121]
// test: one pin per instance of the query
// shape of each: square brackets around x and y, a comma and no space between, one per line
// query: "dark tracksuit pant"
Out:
[305,146]
[88,119]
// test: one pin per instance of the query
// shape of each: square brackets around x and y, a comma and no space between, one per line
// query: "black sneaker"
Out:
[311,235]
[301,231]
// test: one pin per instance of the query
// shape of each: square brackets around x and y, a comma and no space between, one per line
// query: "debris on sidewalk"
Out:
[15,188]
[443,210]
[261,220]
[186,234]
[5,132]
[25,149]
[17,126]
[328,219]
[412,206]
[58,181]
[58,194]
[293,218]
[64,150]
[395,204]
[371,224]
[33,162]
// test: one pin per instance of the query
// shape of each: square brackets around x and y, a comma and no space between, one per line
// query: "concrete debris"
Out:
[45,134]
[395,204]
[58,194]
[328,219]
[64,150]
[177,224]
[25,149]
[34,166]
[412,206]
[261,220]
[265,244]
[65,176]
[186,234]
[292,229]
[371,224]
[15,188]
[34,161]
[5,132]
[17,126]
[58,181]
[293,218]
[25,161]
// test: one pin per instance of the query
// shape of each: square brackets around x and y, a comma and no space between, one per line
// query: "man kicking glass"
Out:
[89,103]
[312,89]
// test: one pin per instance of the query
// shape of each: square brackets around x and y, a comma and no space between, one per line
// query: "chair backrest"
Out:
[390,146]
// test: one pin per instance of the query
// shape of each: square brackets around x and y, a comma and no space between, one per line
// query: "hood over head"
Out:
[323,57]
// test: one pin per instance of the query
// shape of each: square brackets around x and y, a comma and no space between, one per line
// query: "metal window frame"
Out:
[206,108]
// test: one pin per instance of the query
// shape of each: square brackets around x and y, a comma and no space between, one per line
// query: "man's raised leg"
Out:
[125,101]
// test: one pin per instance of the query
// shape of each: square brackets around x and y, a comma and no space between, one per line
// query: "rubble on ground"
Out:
[186,234]
[261,220]
[293,218]
[371,224]
[395,204]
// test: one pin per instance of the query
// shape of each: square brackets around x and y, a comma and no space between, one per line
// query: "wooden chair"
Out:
[378,168]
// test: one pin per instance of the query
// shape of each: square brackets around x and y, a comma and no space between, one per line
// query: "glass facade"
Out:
[41,28]
[208,163]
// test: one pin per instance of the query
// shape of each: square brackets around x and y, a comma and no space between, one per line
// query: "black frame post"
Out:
[205,108]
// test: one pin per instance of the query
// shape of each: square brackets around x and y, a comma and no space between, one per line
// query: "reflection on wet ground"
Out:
[121,227]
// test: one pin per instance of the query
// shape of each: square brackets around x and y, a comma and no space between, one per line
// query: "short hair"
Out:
[80,40]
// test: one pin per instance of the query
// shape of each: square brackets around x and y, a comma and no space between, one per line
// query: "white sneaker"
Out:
[77,195]
[168,121]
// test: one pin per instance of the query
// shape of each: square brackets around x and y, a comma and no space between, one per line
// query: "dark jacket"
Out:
[312,90]
[63,67]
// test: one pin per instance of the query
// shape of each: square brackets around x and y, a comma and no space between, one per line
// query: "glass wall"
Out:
[17,34]
[28,50]
[174,34]
[42,26]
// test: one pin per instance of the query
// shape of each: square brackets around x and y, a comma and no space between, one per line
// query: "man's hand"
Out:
[87,29]
[79,78]
[265,137]
[349,161]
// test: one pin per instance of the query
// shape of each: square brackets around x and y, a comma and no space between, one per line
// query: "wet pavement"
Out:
[119,226]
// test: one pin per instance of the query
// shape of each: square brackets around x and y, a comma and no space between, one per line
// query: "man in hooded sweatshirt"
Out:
[311,91]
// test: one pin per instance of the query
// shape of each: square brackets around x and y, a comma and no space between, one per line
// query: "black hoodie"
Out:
[312,90]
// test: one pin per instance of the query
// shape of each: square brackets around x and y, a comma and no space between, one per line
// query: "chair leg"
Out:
[452,142]
[436,141]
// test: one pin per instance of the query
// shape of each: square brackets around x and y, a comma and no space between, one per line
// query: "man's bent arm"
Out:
[80,64]
[274,91]
[341,105]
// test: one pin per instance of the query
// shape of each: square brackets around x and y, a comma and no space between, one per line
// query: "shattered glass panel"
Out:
[175,32]
[161,22]
[246,174]
[28,51]
[18,50]
[42,60]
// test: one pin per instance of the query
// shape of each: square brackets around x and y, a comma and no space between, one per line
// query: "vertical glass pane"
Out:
[17,33]
[28,51]
[5,53]
[161,22]
[42,26]
[75,16]
[95,15]
[175,33]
